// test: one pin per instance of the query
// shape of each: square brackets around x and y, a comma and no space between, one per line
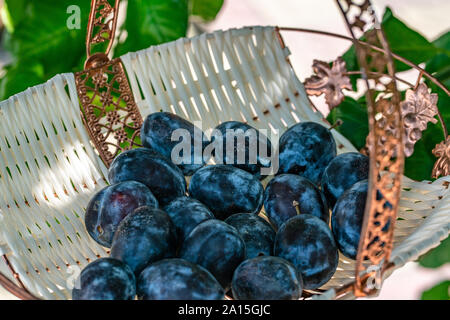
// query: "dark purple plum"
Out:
[243,138]
[288,195]
[256,232]
[227,190]
[111,205]
[266,278]
[178,279]
[307,242]
[145,236]
[347,218]
[217,247]
[306,149]
[341,173]
[105,279]
[186,213]
[162,177]
[157,133]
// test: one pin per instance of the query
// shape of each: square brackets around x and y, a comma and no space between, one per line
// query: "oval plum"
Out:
[347,218]
[241,137]
[162,177]
[105,279]
[266,278]
[287,195]
[178,279]
[256,232]
[307,242]
[306,149]
[217,247]
[111,205]
[343,172]
[157,133]
[145,236]
[226,190]
[186,213]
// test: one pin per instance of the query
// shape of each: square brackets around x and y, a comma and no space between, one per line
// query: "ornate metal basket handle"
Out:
[101,27]
[385,148]
[108,109]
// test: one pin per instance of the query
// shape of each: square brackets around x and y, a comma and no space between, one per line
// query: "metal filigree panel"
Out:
[385,145]
[102,24]
[108,109]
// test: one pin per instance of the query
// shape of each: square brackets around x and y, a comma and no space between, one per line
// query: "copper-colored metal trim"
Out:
[385,149]
[14,289]
[395,56]
[19,290]
[422,72]
[108,119]
[377,74]
[107,26]
[348,287]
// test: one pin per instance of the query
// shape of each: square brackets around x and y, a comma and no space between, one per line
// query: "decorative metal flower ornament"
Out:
[330,81]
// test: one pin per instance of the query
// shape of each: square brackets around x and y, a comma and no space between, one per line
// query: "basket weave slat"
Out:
[240,74]
[53,171]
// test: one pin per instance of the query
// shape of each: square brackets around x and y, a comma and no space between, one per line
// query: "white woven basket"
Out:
[49,169]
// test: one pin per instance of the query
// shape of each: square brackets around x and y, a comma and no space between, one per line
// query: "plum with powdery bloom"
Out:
[105,279]
[347,218]
[288,195]
[266,278]
[256,232]
[145,236]
[306,149]
[217,247]
[162,177]
[178,279]
[157,133]
[253,141]
[111,205]
[227,190]
[307,242]
[186,213]
[341,173]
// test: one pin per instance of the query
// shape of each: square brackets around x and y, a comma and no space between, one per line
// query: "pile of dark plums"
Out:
[210,238]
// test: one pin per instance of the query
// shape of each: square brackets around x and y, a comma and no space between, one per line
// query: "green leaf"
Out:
[439,65]
[405,41]
[351,64]
[49,39]
[206,9]
[151,22]
[440,291]
[354,117]
[42,38]
[443,42]
[13,11]
[437,256]
[420,164]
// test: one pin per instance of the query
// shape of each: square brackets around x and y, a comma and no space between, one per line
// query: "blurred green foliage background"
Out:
[41,44]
